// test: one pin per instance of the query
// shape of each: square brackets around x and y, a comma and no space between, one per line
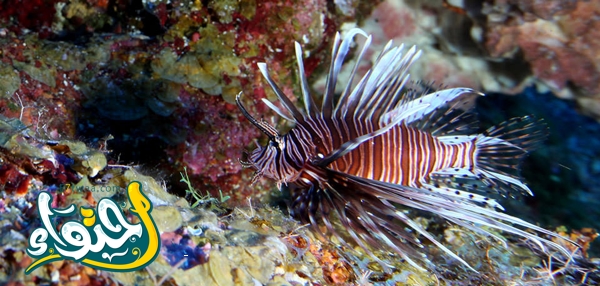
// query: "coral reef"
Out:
[500,46]
[557,39]
[96,94]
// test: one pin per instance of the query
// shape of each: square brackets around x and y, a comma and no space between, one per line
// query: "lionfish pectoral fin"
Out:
[352,144]
[376,221]
[333,201]
[368,221]
[364,218]
[459,211]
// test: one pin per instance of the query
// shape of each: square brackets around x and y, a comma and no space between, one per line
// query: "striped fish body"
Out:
[380,144]
[404,155]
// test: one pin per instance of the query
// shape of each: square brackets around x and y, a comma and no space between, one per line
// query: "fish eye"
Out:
[274,143]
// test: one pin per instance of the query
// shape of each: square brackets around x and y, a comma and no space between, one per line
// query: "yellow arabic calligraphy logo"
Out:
[111,243]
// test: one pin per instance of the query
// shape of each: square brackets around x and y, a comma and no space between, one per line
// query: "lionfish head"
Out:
[264,159]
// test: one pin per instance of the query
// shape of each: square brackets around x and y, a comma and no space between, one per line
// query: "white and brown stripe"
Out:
[403,155]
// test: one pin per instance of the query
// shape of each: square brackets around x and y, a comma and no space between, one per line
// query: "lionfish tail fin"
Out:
[502,148]
[525,132]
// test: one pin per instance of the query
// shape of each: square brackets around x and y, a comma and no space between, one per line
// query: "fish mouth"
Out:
[246,161]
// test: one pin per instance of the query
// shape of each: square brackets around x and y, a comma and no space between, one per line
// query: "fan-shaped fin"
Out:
[454,118]
[435,101]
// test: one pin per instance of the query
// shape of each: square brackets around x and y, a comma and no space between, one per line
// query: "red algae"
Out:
[13,181]
[214,125]
[35,15]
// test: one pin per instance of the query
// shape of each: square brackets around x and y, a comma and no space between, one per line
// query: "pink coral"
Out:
[561,50]
[215,138]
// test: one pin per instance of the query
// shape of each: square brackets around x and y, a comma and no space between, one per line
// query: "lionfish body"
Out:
[378,145]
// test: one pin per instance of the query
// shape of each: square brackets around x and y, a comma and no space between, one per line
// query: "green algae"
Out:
[92,163]
[13,135]
[82,11]
[248,8]
[167,218]
[224,9]
[78,148]
[42,74]
[54,56]
[10,80]
[210,58]
[187,69]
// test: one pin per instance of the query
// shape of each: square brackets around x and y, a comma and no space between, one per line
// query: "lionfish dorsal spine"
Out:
[327,101]
[309,103]
[346,96]
[278,110]
[287,103]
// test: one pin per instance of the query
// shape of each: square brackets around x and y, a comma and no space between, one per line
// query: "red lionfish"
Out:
[376,145]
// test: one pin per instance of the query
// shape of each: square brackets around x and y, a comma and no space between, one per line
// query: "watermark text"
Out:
[62,188]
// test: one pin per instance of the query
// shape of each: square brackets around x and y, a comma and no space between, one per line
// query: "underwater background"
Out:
[96,94]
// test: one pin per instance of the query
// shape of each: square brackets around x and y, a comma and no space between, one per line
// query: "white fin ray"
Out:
[486,216]
[388,77]
[287,103]
[358,95]
[463,195]
[345,97]
[309,103]
[277,110]
[431,238]
[483,140]
[435,100]
[506,179]
[339,52]
[381,70]
[380,74]
[383,104]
